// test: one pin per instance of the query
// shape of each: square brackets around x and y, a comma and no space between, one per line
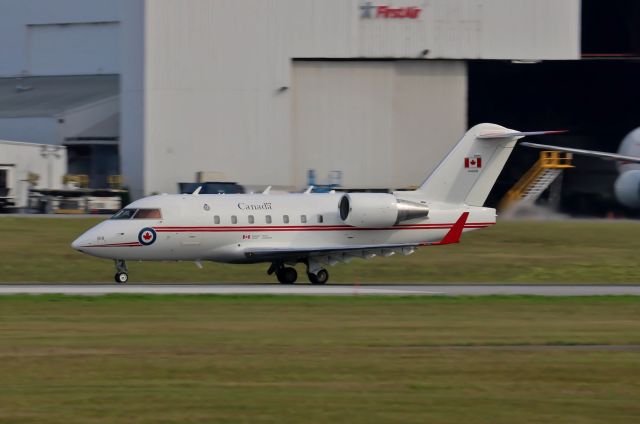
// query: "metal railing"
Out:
[549,159]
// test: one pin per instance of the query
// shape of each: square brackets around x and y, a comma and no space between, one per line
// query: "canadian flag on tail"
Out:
[474,162]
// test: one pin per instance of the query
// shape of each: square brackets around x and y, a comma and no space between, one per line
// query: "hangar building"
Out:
[262,91]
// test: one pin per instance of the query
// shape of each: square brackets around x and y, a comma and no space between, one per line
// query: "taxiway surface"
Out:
[328,290]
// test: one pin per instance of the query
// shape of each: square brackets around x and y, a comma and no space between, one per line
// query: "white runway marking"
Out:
[328,290]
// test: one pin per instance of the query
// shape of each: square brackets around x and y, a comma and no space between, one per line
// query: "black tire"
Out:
[287,275]
[121,277]
[320,277]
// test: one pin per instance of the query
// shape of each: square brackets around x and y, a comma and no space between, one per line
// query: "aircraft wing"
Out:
[592,153]
[349,251]
[365,250]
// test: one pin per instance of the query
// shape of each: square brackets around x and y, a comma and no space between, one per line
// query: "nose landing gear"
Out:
[122,273]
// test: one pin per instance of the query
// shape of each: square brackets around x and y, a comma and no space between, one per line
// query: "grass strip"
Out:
[366,359]
[576,252]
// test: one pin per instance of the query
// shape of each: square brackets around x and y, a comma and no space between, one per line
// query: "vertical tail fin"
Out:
[467,174]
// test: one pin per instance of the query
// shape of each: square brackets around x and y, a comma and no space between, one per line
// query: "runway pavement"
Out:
[328,290]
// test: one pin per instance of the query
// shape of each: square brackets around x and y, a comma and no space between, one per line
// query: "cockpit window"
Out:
[124,214]
[148,214]
[138,214]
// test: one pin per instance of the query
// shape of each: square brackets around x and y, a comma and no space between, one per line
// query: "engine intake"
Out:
[378,210]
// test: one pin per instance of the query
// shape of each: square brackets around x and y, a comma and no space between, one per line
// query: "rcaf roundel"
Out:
[147,236]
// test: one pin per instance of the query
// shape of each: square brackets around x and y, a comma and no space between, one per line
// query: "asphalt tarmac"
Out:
[328,290]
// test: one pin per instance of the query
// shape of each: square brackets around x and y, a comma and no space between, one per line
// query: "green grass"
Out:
[37,250]
[204,359]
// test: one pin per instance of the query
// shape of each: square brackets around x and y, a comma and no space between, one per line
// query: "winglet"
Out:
[453,236]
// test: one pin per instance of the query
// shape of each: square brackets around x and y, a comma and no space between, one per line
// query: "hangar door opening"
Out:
[596,100]
[382,124]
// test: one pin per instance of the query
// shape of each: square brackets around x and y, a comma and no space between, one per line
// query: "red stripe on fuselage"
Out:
[128,244]
[273,228]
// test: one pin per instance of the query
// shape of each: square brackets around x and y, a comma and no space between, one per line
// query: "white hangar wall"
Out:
[215,87]
[381,123]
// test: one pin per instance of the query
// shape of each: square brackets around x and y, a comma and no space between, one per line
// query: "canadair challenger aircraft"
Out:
[311,228]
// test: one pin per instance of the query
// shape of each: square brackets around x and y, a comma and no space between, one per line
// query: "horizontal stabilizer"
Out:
[592,153]
[512,134]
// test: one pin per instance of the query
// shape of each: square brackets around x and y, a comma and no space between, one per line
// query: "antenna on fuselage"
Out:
[308,190]
[197,191]
[267,190]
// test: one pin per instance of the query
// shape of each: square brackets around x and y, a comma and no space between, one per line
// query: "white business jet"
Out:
[311,228]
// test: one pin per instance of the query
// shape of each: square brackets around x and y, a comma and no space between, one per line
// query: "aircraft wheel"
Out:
[320,277]
[287,275]
[121,277]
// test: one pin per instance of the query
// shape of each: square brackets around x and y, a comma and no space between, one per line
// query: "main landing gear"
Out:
[122,273]
[289,275]
[320,277]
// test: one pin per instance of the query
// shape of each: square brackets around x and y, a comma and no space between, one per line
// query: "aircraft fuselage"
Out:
[223,227]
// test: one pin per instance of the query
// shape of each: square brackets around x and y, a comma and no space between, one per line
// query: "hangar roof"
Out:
[52,95]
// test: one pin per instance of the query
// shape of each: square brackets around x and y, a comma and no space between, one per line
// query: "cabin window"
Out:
[268,219]
[303,219]
[216,219]
[285,219]
[251,220]
[148,214]
[320,219]
[234,219]
[124,214]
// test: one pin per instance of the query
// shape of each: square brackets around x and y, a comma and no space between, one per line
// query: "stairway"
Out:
[535,181]
[540,184]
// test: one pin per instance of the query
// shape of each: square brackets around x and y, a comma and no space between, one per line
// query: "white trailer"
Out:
[29,165]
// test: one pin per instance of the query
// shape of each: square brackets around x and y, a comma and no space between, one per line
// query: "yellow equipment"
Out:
[79,180]
[538,178]
[114,181]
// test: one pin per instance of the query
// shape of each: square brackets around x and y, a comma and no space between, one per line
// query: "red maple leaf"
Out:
[146,236]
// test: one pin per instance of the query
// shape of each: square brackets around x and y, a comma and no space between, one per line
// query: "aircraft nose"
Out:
[85,240]
[77,243]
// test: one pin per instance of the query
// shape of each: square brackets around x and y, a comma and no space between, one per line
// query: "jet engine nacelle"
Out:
[627,189]
[378,210]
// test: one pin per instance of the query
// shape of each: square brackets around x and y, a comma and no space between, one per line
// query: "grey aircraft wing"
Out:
[270,254]
[592,153]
